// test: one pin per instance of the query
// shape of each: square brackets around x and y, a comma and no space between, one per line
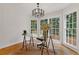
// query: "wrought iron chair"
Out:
[43,44]
[24,44]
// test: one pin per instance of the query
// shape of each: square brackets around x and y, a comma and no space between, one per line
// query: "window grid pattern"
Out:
[71,28]
[54,27]
[33,26]
[42,22]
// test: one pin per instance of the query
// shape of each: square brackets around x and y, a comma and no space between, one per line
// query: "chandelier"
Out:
[37,12]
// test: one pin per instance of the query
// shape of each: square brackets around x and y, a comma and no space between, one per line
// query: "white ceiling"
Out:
[48,7]
[28,7]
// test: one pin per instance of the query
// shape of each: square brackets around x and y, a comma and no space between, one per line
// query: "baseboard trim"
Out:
[75,50]
[12,44]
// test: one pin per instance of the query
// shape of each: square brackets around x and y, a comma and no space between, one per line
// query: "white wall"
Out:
[13,20]
[0,22]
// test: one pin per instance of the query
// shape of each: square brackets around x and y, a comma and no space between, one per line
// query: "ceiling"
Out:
[48,7]
[28,7]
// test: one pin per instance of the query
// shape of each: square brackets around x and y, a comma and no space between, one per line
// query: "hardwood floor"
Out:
[16,50]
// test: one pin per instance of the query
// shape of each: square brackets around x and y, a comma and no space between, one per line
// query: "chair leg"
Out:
[23,44]
[48,43]
[53,46]
[42,50]
[30,44]
[26,45]
[32,41]
[47,49]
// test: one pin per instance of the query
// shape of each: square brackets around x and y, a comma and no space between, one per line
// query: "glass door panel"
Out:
[71,28]
[33,26]
[54,28]
[42,22]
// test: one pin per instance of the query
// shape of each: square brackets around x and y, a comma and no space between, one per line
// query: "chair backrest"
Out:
[24,32]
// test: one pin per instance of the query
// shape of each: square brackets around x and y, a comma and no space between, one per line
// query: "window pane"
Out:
[66,32]
[74,25]
[67,25]
[70,25]
[70,18]
[71,28]
[74,17]
[42,23]
[74,31]
[54,29]
[33,26]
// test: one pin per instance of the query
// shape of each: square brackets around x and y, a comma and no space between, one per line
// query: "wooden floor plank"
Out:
[16,50]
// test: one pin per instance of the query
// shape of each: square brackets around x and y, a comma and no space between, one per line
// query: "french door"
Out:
[71,26]
[33,26]
[42,22]
[54,28]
